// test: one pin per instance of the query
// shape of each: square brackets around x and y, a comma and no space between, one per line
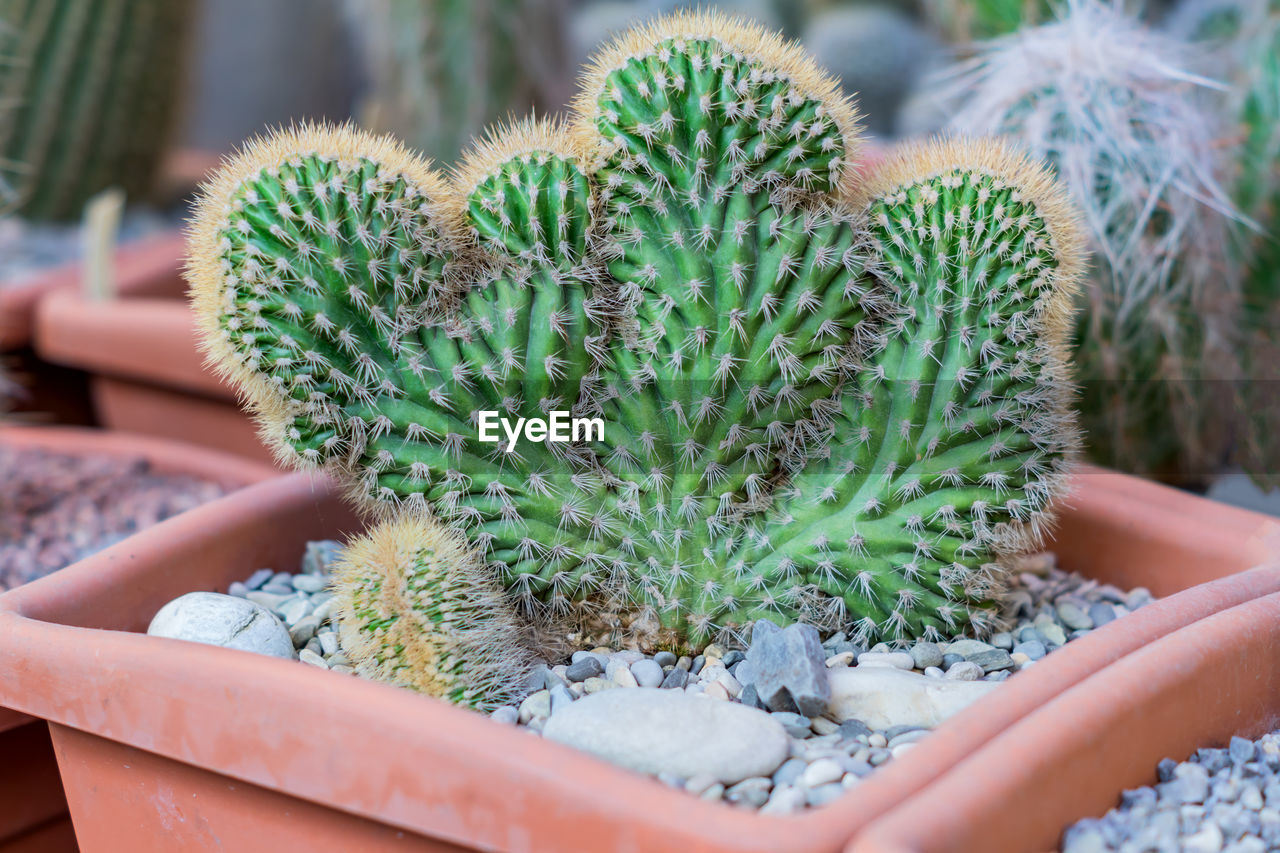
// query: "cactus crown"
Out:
[823,398]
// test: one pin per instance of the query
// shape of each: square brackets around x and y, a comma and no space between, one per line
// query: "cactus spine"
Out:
[94,89]
[769,342]
[418,609]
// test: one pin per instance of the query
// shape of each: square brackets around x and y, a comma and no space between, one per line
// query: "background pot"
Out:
[33,810]
[1071,759]
[147,375]
[178,745]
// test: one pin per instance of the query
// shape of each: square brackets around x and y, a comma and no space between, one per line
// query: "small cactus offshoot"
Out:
[824,398]
[417,608]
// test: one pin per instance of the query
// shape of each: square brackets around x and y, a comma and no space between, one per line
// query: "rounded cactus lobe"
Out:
[417,608]
[955,433]
[323,262]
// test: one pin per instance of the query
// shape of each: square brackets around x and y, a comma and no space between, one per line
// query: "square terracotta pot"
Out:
[1072,758]
[33,810]
[146,373]
[174,745]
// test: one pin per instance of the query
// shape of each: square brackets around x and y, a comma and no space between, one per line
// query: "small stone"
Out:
[926,655]
[992,661]
[561,698]
[338,660]
[821,772]
[653,731]
[623,677]
[824,794]
[753,792]
[715,792]
[967,647]
[1032,649]
[823,726]
[1101,613]
[596,684]
[730,684]
[750,698]
[790,771]
[258,578]
[685,663]
[584,668]
[934,672]
[308,656]
[900,660]
[676,678]
[842,659]
[1241,750]
[665,659]
[238,589]
[506,715]
[303,632]
[295,611]
[908,738]
[789,670]
[784,800]
[551,678]
[309,583]
[647,673]
[698,663]
[854,729]
[717,691]
[1020,660]
[965,671]
[882,697]
[1207,840]
[1073,615]
[796,725]
[265,599]
[733,658]
[714,651]
[1054,635]
[950,660]
[328,642]
[223,620]
[535,705]
[1002,640]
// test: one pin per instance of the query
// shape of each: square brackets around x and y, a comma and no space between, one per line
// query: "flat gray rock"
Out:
[667,731]
[883,697]
[223,620]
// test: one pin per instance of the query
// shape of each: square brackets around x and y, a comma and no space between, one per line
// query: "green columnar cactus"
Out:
[418,609]
[821,399]
[442,70]
[94,91]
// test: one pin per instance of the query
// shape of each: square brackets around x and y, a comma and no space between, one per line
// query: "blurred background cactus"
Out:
[1137,136]
[440,71]
[94,90]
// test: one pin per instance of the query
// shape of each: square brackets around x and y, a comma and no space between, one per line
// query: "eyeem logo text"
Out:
[560,428]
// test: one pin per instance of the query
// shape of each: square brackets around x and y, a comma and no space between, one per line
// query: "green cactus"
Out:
[417,609]
[823,399]
[442,70]
[94,91]
[966,20]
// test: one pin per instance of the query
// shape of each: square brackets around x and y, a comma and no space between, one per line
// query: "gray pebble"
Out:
[1002,640]
[1073,615]
[965,671]
[1032,649]
[309,583]
[784,800]
[328,642]
[676,678]
[697,665]
[790,771]
[258,578]
[950,660]
[308,656]
[648,673]
[797,725]
[926,655]
[665,659]
[753,792]
[1101,613]
[506,714]
[991,660]
[304,630]
[584,668]
[733,658]
[561,698]
[854,729]
[825,794]
[238,589]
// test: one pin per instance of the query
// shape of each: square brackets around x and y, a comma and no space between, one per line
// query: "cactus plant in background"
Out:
[1135,138]
[440,71]
[93,90]
[419,609]
[822,399]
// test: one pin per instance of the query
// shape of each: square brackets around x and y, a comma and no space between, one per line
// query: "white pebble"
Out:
[821,772]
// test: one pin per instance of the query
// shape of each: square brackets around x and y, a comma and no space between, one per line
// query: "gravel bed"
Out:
[1224,800]
[29,248]
[56,509]
[822,756]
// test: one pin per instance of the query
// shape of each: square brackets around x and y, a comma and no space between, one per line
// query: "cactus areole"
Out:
[826,396]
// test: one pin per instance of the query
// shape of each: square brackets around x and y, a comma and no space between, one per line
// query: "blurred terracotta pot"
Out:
[178,746]
[33,810]
[1072,758]
[146,373]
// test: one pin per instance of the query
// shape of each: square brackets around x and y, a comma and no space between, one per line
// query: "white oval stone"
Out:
[666,731]
[883,696]
[223,620]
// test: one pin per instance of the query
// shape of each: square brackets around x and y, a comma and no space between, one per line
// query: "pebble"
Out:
[308,656]
[223,620]
[676,678]
[655,731]
[585,667]
[624,677]
[1032,649]
[925,655]
[1217,801]
[965,671]
[882,697]
[821,772]
[796,725]
[789,669]
[899,660]
[535,705]
[506,714]
[665,659]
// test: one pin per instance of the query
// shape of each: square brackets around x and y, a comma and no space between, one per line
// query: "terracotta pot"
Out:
[146,373]
[33,810]
[1073,757]
[174,745]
